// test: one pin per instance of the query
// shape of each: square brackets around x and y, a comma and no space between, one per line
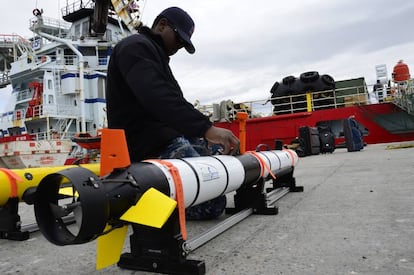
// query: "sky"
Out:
[244,47]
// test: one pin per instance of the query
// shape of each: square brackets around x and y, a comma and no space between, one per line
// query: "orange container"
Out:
[401,72]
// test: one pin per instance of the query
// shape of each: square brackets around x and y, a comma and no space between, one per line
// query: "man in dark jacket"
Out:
[145,100]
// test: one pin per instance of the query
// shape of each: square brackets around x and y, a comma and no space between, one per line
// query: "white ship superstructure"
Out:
[58,80]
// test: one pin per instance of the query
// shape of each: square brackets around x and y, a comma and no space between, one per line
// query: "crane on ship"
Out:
[127,10]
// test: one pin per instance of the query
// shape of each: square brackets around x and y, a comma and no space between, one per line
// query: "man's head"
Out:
[175,27]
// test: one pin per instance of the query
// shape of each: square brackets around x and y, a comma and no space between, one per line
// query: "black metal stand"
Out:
[164,250]
[287,180]
[10,224]
[253,197]
[256,196]
[160,250]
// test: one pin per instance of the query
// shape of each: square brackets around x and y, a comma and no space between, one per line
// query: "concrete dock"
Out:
[355,216]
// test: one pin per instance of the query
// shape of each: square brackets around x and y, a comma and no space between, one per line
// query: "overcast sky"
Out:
[243,47]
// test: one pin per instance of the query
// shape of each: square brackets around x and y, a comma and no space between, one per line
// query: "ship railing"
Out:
[52,134]
[13,46]
[49,25]
[40,135]
[29,112]
[35,111]
[91,61]
[68,60]
[328,99]
[77,5]
[65,60]
[7,40]
[4,79]
[308,102]
[56,23]
[68,110]
[41,111]
[403,95]
[61,110]
[10,40]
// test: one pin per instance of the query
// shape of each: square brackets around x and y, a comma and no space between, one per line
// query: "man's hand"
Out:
[223,137]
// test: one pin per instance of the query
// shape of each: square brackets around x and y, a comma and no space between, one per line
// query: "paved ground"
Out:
[356,216]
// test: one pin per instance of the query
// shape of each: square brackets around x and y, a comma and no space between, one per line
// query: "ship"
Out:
[58,82]
[58,93]
[383,112]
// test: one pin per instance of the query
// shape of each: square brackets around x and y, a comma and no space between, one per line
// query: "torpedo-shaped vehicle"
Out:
[151,197]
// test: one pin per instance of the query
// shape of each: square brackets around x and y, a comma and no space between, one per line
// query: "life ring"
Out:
[309,76]
[37,12]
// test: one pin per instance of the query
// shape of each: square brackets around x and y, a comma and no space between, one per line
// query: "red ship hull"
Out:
[375,118]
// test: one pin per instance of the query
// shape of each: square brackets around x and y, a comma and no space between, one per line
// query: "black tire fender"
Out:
[274,87]
[309,76]
[288,80]
[328,80]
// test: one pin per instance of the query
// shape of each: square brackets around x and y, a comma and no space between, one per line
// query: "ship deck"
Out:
[355,216]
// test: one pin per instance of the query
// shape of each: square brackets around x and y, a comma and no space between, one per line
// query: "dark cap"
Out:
[183,23]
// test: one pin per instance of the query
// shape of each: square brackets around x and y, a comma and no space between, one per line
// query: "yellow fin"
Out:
[68,191]
[109,247]
[153,209]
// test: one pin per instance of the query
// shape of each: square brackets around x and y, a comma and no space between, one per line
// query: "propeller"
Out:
[104,206]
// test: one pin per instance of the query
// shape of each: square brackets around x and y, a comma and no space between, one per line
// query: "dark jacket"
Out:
[145,100]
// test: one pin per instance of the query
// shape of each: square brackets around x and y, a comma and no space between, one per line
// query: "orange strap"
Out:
[179,193]
[13,179]
[262,163]
[291,156]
